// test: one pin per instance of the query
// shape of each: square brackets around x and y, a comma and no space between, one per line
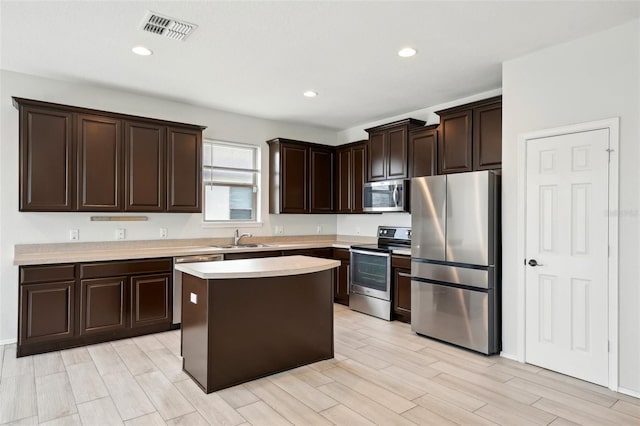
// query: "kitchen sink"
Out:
[239,246]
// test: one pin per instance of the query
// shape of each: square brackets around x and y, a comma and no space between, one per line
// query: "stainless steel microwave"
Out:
[386,196]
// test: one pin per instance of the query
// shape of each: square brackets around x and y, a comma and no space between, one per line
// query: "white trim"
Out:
[509,356]
[238,224]
[8,341]
[629,392]
[613,125]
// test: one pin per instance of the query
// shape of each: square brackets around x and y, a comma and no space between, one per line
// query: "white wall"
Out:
[25,228]
[588,79]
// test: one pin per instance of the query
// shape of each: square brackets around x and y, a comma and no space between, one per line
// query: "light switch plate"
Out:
[193,298]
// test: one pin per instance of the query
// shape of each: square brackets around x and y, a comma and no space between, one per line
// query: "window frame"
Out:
[256,186]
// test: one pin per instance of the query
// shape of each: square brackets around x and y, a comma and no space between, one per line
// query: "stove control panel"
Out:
[394,233]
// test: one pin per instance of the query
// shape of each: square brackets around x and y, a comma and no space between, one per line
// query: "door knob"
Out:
[533,262]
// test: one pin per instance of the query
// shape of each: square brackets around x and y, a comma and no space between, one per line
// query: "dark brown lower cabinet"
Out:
[68,305]
[342,277]
[150,300]
[252,255]
[401,288]
[103,305]
[46,312]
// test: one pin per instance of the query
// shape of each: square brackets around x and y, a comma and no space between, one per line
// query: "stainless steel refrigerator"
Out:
[455,259]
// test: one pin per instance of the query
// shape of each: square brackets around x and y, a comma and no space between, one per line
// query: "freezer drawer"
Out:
[471,277]
[463,317]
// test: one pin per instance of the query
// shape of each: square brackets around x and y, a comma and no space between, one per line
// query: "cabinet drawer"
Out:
[326,253]
[47,273]
[401,262]
[341,254]
[109,269]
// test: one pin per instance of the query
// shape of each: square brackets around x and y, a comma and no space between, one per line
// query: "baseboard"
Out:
[629,392]
[8,341]
[509,356]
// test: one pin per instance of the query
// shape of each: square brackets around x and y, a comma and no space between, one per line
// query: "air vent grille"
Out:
[167,27]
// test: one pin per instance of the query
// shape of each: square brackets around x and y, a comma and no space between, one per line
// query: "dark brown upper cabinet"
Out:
[351,174]
[47,181]
[99,148]
[145,165]
[79,159]
[471,136]
[288,177]
[423,151]
[184,148]
[388,149]
[300,177]
[321,179]
[487,136]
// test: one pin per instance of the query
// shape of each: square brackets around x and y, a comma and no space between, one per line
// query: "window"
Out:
[230,175]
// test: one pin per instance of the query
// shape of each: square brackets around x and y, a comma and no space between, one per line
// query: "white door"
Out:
[566,234]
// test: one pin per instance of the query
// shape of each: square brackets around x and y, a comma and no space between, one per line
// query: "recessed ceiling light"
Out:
[407,52]
[310,94]
[142,51]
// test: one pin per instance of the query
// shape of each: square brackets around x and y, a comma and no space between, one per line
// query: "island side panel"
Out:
[195,328]
[261,326]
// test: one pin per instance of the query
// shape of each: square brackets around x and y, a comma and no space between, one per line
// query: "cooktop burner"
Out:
[389,238]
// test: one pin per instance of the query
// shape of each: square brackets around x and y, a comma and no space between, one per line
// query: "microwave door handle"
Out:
[395,195]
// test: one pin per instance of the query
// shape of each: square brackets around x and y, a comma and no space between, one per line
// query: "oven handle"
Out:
[370,253]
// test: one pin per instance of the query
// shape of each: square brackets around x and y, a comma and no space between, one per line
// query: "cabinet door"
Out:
[455,143]
[343,180]
[150,300]
[46,160]
[99,163]
[46,312]
[423,153]
[377,156]
[321,180]
[184,170]
[103,305]
[144,159]
[341,283]
[294,183]
[402,294]
[358,176]
[397,153]
[487,137]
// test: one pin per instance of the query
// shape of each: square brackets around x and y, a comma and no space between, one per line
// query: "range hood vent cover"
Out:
[166,26]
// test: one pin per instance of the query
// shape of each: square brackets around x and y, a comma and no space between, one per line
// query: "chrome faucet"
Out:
[237,236]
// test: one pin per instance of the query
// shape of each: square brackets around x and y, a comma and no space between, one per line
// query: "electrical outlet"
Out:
[278,229]
[319,229]
[74,234]
[357,230]
[163,232]
[121,234]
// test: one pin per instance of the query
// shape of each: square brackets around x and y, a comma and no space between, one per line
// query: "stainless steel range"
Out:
[370,289]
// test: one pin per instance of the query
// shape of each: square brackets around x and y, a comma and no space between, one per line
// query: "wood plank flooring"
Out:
[382,374]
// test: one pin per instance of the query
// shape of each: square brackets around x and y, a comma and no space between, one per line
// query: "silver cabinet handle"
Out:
[404,274]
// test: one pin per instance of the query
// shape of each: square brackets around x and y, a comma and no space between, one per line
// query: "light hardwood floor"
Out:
[382,374]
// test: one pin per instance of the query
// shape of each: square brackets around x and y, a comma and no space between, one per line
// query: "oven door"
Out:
[371,273]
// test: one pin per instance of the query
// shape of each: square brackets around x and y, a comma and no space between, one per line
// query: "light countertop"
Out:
[40,254]
[258,268]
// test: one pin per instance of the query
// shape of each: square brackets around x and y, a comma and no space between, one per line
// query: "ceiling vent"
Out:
[167,27]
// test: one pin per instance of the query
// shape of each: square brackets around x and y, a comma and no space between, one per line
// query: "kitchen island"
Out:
[249,318]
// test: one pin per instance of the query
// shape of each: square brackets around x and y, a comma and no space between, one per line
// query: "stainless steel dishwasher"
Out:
[177,280]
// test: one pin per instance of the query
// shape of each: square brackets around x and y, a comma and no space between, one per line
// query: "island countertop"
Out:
[259,267]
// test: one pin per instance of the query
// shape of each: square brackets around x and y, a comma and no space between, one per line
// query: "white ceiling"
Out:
[257,58]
